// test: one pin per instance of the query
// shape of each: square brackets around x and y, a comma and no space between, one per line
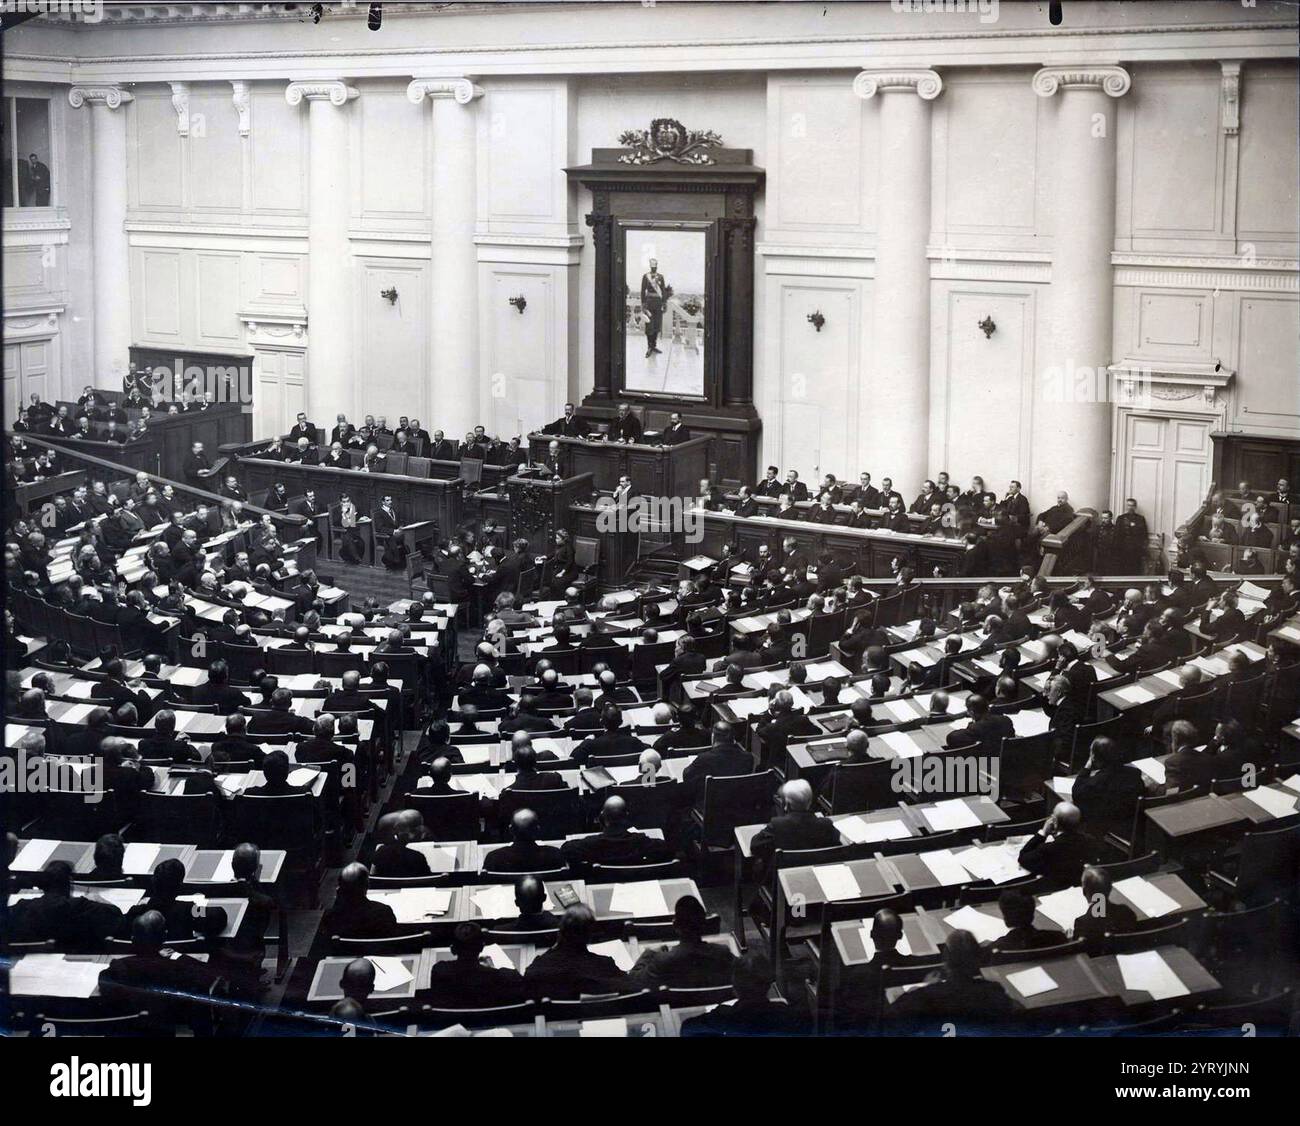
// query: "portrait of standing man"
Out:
[655,292]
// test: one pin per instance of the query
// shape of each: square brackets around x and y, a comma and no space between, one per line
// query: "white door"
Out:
[279,396]
[1166,468]
[26,371]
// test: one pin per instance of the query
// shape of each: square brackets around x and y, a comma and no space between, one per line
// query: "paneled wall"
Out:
[1206,231]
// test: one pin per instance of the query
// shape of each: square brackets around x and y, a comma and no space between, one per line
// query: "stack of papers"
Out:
[54,975]
[997,863]
[642,900]
[1152,768]
[615,948]
[390,973]
[1064,907]
[1031,982]
[945,867]
[951,814]
[1146,897]
[416,905]
[1274,802]
[984,927]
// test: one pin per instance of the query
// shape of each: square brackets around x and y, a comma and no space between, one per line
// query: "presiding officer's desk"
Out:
[663,471]
[871,550]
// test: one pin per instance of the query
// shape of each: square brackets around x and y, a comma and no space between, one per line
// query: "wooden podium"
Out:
[660,471]
[539,505]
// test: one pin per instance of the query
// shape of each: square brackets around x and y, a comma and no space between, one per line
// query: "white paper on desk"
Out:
[1149,972]
[1031,982]
[951,814]
[623,774]
[837,882]
[475,756]
[496,902]
[612,1026]
[473,784]
[901,743]
[139,859]
[1031,721]
[644,899]
[76,715]
[944,866]
[1063,786]
[230,784]
[53,975]
[1292,783]
[441,858]
[996,863]
[1276,803]
[984,927]
[1152,768]
[800,698]
[416,905]
[303,776]
[858,831]
[498,958]
[390,973]
[224,872]
[1064,907]
[615,948]
[121,898]
[1170,677]
[901,710]
[1146,897]
[746,707]
[1135,694]
[557,747]
[904,947]
[34,855]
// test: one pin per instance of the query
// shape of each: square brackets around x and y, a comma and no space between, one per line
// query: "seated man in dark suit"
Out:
[280,720]
[569,969]
[616,843]
[862,993]
[395,858]
[724,758]
[218,690]
[233,746]
[986,728]
[1059,850]
[154,977]
[1107,789]
[692,962]
[163,745]
[77,923]
[1017,907]
[527,776]
[960,994]
[275,767]
[353,915]
[530,898]
[797,827]
[1187,767]
[463,982]
[754,1013]
[524,854]
[1103,916]
[616,739]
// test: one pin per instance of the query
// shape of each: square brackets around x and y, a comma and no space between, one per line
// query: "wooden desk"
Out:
[868,551]
[416,499]
[662,471]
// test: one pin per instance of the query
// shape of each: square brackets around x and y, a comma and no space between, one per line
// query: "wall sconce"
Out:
[389,294]
[520,303]
[988,326]
[816,320]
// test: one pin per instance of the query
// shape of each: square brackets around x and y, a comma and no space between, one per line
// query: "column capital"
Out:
[925,84]
[462,89]
[1112,80]
[243,106]
[110,96]
[334,90]
[181,104]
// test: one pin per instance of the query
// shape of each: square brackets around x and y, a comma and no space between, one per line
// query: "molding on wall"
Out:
[1241,272]
[275,328]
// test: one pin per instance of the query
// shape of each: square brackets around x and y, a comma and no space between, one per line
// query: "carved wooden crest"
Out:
[668,139]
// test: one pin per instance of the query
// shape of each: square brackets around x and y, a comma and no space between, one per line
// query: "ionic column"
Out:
[330,363]
[454,274]
[895,423]
[1072,440]
[111,258]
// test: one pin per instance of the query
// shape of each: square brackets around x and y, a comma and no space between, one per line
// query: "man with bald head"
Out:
[155,977]
[355,916]
[613,741]
[483,692]
[530,898]
[527,776]
[395,858]
[524,854]
[725,758]
[691,962]
[1103,915]
[795,827]
[348,698]
[357,982]
[1060,850]
[616,843]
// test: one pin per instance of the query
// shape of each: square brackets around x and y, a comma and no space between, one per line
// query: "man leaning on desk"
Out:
[569,425]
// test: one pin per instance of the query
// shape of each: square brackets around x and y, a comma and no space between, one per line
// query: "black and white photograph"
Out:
[651,519]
